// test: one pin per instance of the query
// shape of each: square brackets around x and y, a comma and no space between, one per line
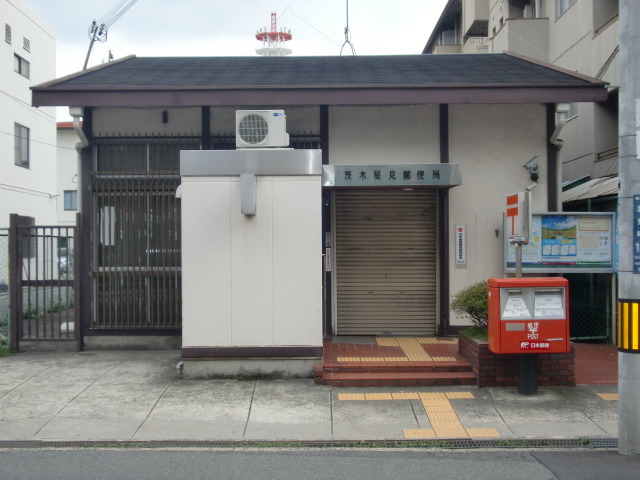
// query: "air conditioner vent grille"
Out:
[253,129]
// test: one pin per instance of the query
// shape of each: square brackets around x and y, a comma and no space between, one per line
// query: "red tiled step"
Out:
[397,379]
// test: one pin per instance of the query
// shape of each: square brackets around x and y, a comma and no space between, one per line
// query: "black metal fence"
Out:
[4,287]
[42,282]
[590,306]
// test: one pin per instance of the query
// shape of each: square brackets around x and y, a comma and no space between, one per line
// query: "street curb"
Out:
[456,443]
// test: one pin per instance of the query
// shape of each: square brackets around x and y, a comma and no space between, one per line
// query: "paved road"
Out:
[326,464]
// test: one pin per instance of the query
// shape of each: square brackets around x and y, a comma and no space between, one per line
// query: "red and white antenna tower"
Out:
[273,41]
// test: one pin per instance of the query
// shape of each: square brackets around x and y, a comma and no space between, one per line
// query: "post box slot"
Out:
[515,305]
[549,303]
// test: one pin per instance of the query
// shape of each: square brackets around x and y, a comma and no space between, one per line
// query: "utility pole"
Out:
[628,231]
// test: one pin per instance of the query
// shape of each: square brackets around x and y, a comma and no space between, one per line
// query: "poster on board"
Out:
[567,242]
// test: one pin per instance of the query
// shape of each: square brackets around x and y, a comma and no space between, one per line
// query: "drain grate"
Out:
[439,443]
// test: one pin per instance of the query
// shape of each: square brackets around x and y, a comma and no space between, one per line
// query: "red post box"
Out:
[529,315]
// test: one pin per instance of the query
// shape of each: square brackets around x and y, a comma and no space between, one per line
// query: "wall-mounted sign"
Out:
[566,243]
[461,244]
[400,175]
[636,234]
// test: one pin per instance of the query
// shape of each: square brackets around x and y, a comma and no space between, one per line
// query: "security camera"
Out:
[534,168]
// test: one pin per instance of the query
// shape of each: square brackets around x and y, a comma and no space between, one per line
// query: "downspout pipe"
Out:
[562,109]
[77,113]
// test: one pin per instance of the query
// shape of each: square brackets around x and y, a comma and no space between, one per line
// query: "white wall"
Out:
[251,281]
[67,166]
[492,142]
[383,135]
[27,191]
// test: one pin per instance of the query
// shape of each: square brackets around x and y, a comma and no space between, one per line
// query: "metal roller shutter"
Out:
[386,262]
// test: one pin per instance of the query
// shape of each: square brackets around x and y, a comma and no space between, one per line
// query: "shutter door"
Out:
[386,262]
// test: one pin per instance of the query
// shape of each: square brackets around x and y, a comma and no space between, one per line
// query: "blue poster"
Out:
[559,239]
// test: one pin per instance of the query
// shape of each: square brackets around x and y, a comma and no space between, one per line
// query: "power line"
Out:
[289,8]
[30,107]
[36,141]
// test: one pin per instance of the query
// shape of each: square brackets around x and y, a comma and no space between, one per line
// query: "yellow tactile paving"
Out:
[456,395]
[483,432]
[351,396]
[449,341]
[450,430]
[435,417]
[387,341]
[433,396]
[405,396]
[378,396]
[441,408]
[608,396]
[372,359]
[428,340]
[396,359]
[348,359]
[443,359]
[419,433]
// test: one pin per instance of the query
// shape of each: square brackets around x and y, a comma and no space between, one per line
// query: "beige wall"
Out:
[251,281]
[383,135]
[67,167]
[492,142]
[526,36]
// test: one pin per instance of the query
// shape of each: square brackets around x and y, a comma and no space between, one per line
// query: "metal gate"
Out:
[41,281]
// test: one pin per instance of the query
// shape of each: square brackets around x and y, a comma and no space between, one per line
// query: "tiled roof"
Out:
[399,70]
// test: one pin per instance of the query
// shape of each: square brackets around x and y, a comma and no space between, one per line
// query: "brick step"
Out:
[396,379]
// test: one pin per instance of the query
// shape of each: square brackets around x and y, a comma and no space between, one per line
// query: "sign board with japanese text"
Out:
[566,242]
[398,175]
[461,245]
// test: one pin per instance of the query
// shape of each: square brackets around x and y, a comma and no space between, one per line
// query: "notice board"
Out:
[566,242]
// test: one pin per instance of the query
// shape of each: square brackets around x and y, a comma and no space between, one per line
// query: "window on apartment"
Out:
[20,65]
[563,6]
[26,44]
[7,33]
[21,136]
[449,37]
[71,200]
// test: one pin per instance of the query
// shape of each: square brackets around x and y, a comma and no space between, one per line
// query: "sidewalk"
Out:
[125,396]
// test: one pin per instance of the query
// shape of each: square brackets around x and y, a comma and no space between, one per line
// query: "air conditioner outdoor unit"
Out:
[261,128]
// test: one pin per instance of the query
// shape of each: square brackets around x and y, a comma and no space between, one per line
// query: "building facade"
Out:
[578,35]
[28,140]
[359,243]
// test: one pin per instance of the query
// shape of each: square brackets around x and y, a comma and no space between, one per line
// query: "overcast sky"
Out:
[216,28]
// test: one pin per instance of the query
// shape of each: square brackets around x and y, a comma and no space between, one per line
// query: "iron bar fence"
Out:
[4,287]
[136,269]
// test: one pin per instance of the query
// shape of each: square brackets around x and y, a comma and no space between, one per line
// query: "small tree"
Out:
[472,302]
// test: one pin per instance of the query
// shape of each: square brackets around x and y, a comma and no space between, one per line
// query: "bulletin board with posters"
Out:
[566,242]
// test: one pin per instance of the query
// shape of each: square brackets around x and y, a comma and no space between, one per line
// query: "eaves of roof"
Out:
[417,79]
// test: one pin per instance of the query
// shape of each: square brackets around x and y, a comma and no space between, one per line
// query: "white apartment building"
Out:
[67,169]
[27,134]
[577,35]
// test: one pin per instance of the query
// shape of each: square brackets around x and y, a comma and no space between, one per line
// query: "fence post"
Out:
[15,277]
[78,288]
[13,282]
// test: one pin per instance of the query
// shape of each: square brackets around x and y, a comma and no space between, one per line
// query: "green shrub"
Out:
[471,302]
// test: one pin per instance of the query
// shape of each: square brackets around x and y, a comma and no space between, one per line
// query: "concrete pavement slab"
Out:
[547,414]
[21,429]
[381,419]
[290,409]
[200,410]
[603,413]
[65,428]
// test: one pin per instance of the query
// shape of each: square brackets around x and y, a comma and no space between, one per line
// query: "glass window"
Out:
[70,200]
[21,143]
[20,65]
[563,6]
